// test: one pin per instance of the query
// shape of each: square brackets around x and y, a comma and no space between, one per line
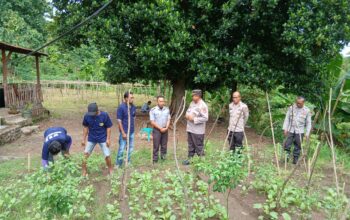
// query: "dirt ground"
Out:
[67,111]
[241,206]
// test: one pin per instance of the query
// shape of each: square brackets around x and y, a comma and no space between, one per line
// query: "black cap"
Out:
[197,92]
[92,109]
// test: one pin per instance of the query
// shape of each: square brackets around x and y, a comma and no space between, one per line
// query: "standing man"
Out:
[197,116]
[160,120]
[122,117]
[56,140]
[97,130]
[297,119]
[239,114]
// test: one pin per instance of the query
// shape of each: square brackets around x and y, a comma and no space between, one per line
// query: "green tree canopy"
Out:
[213,43]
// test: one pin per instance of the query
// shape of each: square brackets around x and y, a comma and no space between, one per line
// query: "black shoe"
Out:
[186,162]
[295,160]
[155,161]
[163,157]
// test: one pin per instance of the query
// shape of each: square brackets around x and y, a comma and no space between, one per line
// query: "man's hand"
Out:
[190,117]
[163,130]
[83,143]
[285,133]
[108,142]
[124,136]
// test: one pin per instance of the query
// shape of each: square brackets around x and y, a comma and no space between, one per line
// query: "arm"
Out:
[308,124]
[202,117]
[45,156]
[286,122]
[85,134]
[68,144]
[108,136]
[120,124]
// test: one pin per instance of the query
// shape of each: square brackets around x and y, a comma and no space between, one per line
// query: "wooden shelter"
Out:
[19,94]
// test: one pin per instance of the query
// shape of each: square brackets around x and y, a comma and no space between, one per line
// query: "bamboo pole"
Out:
[273,134]
[126,161]
[331,141]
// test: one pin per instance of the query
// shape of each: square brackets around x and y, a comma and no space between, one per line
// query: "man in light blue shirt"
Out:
[160,120]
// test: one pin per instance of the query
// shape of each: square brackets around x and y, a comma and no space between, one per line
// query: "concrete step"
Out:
[17,120]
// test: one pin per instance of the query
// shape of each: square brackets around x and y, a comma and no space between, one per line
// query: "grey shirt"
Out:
[297,120]
[200,112]
[160,116]
[238,116]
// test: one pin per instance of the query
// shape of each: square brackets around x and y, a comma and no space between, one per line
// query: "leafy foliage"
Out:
[155,195]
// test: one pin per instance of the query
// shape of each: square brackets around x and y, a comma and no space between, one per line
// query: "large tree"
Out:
[208,44]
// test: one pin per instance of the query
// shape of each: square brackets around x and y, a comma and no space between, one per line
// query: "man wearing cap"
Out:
[160,120]
[197,116]
[56,140]
[239,114]
[297,120]
[123,111]
[96,130]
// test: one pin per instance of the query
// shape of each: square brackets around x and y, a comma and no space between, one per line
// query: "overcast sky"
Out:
[346,51]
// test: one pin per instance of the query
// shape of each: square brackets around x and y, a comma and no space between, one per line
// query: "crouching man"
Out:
[56,140]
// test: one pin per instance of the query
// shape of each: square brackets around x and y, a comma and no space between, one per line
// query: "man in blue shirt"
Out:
[122,117]
[97,130]
[146,107]
[56,140]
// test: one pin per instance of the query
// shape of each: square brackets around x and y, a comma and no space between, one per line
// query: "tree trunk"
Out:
[178,92]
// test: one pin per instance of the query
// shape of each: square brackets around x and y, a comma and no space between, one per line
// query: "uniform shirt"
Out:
[297,119]
[160,116]
[97,125]
[238,116]
[200,112]
[55,134]
[122,116]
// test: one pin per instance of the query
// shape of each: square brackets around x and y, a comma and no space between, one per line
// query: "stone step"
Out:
[9,133]
[30,129]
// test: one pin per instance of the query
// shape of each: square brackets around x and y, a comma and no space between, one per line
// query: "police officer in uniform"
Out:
[298,119]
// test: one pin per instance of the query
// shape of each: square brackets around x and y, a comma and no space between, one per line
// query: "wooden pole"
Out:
[4,74]
[38,88]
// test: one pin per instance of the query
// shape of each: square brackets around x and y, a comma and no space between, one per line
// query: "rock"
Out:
[30,129]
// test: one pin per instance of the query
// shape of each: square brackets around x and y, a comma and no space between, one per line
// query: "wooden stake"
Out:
[28,162]
[273,134]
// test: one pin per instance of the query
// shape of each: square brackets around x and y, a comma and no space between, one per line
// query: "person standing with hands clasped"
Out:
[239,115]
[123,111]
[97,130]
[160,120]
[298,119]
[197,116]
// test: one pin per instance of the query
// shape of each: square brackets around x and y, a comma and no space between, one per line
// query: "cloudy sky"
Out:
[346,51]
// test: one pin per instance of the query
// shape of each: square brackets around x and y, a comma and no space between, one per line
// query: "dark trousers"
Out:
[235,140]
[195,144]
[295,139]
[159,139]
